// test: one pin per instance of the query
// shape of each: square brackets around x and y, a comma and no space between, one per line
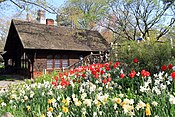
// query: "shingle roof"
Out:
[1,46]
[41,36]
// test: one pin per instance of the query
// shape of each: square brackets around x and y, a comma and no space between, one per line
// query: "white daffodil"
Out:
[60,114]
[31,94]
[83,110]
[58,98]
[154,103]
[162,86]
[13,96]
[94,114]
[87,102]
[121,95]
[83,96]
[3,104]
[140,105]
[49,114]
[172,99]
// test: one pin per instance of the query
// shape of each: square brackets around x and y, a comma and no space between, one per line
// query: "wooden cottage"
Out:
[1,51]
[32,48]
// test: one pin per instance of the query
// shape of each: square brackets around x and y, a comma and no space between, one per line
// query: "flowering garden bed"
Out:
[96,90]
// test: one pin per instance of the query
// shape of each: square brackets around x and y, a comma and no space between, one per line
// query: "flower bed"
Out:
[95,90]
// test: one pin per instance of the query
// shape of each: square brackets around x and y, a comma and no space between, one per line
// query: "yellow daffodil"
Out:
[66,104]
[117,100]
[28,108]
[65,109]
[147,105]
[105,99]
[148,111]
[50,109]
[98,104]
[42,115]
[64,100]
[49,101]
[53,99]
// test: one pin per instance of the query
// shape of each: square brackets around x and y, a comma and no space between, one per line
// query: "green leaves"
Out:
[84,13]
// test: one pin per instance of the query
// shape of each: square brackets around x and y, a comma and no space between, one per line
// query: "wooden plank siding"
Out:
[39,58]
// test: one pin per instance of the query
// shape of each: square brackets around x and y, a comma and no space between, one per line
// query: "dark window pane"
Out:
[57,63]
[57,57]
[49,62]
[50,57]
[65,62]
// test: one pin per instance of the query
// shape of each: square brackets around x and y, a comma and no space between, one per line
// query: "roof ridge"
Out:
[35,22]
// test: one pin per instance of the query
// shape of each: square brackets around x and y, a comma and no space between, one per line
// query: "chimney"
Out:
[49,22]
[29,17]
[41,17]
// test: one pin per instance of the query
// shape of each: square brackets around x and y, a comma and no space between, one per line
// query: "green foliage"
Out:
[46,77]
[82,13]
[149,54]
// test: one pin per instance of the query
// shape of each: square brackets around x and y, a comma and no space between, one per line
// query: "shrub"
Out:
[150,55]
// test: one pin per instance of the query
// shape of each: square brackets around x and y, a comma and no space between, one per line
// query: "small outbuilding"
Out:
[32,48]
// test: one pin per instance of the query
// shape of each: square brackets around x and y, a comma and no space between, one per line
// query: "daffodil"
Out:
[42,115]
[65,109]
[28,108]
[50,109]
[117,100]
[78,103]
[154,103]
[25,98]
[49,101]
[148,111]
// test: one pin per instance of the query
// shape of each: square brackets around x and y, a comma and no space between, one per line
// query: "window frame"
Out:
[54,59]
[50,59]
[65,58]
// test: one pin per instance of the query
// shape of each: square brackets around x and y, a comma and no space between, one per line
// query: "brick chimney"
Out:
[49,21]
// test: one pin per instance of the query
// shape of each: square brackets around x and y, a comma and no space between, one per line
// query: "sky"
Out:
[57,3]
[8,10]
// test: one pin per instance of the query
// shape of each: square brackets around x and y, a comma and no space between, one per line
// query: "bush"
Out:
[150,55]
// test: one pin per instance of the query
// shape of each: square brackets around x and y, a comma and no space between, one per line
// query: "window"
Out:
[57,61]
[24,61]
[49,62]
[65,62]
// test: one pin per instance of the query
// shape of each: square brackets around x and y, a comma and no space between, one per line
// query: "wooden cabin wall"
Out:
[40,59]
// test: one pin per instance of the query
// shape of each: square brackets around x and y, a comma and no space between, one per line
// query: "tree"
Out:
[83,13]
[24,4]
[22,8]
[129,19]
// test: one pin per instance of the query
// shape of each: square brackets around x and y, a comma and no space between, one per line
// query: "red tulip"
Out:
[136,60]
[122,75]
[104,81]
[54,83]
[132,74]
[109,79]
[164,68]
[173,75]
[170,66]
